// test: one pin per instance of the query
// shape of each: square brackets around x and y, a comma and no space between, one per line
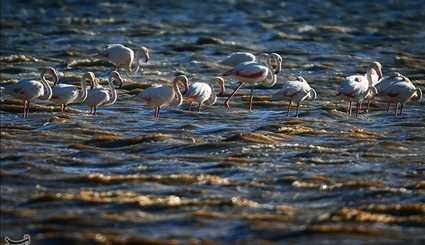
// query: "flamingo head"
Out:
[377,67]
[301,79]
[220,82]
[183,79]
[145,52]
[276,62]
[90,77]
[115,76]
[52,72]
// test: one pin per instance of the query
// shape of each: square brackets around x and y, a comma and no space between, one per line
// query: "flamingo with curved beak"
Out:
[98,95]
[124,57]
[164,95]
[28,90]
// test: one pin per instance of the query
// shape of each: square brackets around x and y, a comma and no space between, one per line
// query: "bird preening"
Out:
[262,69]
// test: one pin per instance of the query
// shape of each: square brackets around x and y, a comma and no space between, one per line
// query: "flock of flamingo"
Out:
[246,67]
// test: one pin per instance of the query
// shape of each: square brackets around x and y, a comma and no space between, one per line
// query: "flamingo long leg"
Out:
[401,109]
[251,97]
[357,108]
[94,110]
[28,108]
[396,109]
[289,108]
[190,106]
[157,112]
[226,102]
[298,107]
[199,107]
[25,108]
[388,106]
[62,109]
[349,108]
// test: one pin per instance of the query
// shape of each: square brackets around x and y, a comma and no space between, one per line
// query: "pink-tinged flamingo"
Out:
[98,95]
[253,73]
[28,90]
[202,93]
[397,89]
[295,91]
[359,87]
[124,57]
[237,58]
[164,95]
[64,94]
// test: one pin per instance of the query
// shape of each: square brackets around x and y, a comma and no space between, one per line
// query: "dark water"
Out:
[215,176]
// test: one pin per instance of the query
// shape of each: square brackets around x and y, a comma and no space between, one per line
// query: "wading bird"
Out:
[64,94]
[237,58]
[359,87]
[295,91]
[399,90]
[98,95]
[164,95]
[28,90]
[124,57]
[253,73]
[202,93]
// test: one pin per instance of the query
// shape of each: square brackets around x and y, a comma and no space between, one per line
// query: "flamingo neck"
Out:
[83,93]
[47,89]
[134,66]
[114,96]
[177,92]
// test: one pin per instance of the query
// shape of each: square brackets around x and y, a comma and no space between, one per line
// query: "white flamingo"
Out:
[202,93]
[28,90]
[98,95]
[64,94]
[252,73]
[124,57]
[295,91]
[237,58]
[359,87]
[164,95]
[397,89]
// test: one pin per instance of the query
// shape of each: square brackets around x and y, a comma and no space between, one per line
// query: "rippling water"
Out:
[215,176]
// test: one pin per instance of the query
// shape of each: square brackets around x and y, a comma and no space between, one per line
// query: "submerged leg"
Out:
[94,110]
[396,109]
[349,108]
[226,102]
[251,97]
[298,106]
[25,108]
[289,108]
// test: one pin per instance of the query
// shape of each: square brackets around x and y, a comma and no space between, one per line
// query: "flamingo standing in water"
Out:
[98,95]
[397,89]
[28,90]
[296,91]
[124,57]
[359,87]
[253,73]
[64,94]
[202,93]
[164,95]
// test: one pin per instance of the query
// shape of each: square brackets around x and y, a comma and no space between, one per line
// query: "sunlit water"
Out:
[123,177]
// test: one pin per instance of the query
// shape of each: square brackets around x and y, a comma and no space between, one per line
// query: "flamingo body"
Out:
[123,57]
[295,91]
[163,95]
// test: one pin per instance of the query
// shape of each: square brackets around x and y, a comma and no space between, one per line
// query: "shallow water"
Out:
[214,176]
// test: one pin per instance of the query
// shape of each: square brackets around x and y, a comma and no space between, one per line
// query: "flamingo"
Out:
[359,87]
[124,57]
[297,91]
[397,89]
[64,94]
[164,95]
[28,90]
[237,58]
[252,73]
[202,93]
[98,95]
